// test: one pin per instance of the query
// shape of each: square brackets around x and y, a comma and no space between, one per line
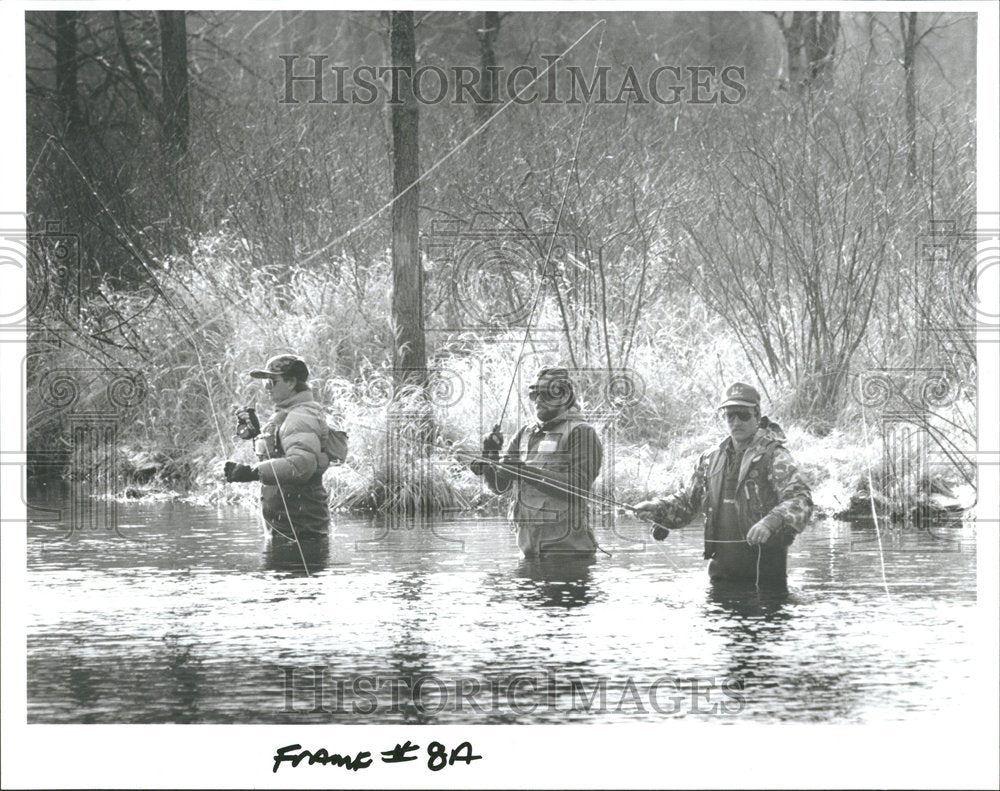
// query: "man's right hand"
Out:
[493,444]
[247,424]
[646,509]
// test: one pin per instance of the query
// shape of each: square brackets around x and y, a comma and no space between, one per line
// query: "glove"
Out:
[493,444]
[240,473]
[646,509]
[247,424]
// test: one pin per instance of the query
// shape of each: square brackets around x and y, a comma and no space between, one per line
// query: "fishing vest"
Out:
[267,446]
[546,520]
[754,496]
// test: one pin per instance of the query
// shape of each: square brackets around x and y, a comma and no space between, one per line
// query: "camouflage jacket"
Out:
[770,489]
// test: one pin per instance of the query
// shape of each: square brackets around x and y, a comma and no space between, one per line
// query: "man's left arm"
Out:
[586,454]
[791,515]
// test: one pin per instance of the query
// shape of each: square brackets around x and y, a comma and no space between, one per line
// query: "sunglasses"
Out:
[742,415]
[551,395]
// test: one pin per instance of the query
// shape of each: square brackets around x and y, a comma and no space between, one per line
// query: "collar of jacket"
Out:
[548,425]
[760,443]
[295,399]
[766,435]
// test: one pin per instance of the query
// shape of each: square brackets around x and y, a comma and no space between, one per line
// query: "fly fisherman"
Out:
[754,499]
[290,450]
[548,463]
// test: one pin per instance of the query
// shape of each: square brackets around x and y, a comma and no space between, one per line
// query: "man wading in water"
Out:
[547,463]
[754,499]
[290,448]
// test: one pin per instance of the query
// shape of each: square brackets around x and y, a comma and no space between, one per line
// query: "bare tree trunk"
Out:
[794,41]
[825,44]
[710,27]
[409,356]
[908,26]
[66,82]
[487,36]
[810,45]
[174,82]
[286,19]
[872,53]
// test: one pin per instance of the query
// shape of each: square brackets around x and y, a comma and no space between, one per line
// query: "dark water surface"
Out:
[187,615]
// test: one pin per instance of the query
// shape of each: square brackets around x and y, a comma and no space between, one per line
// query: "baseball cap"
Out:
[740,394]
[285,365]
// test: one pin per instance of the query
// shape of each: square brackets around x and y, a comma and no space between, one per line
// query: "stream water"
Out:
[184,613]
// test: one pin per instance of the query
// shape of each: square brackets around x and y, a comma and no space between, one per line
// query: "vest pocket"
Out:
[755,509]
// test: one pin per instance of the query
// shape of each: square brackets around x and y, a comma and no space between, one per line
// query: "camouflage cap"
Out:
[284,365]
[740,394]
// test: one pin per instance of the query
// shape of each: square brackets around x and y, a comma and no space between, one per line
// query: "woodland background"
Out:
[814,239]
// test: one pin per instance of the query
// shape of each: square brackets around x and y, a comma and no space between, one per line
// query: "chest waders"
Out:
[293,511]
[738,496]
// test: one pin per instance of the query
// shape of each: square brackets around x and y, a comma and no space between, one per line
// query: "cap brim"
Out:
[736,402]
[259,374]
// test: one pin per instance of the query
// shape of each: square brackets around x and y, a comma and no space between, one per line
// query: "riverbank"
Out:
[173,401]
[846,476]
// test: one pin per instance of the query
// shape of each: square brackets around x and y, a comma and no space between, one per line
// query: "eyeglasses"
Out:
[740,414]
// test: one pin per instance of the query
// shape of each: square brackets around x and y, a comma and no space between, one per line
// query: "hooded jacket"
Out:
[770,489]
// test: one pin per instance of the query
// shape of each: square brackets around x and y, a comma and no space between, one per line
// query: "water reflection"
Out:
[83,687]
[762,633]
[750,622]
[193,618]
[558,581]
[183,679]
[311,554]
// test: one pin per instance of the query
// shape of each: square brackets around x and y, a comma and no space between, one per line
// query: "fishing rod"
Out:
[185,329]
[548,253]
[517,471]
[511,102]
[134,250]
[291,523]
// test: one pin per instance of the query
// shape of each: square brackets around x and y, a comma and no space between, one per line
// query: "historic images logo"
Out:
[317,689]
[87,404]
[486,276]
[909,410]
[552,83]
[44,265]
